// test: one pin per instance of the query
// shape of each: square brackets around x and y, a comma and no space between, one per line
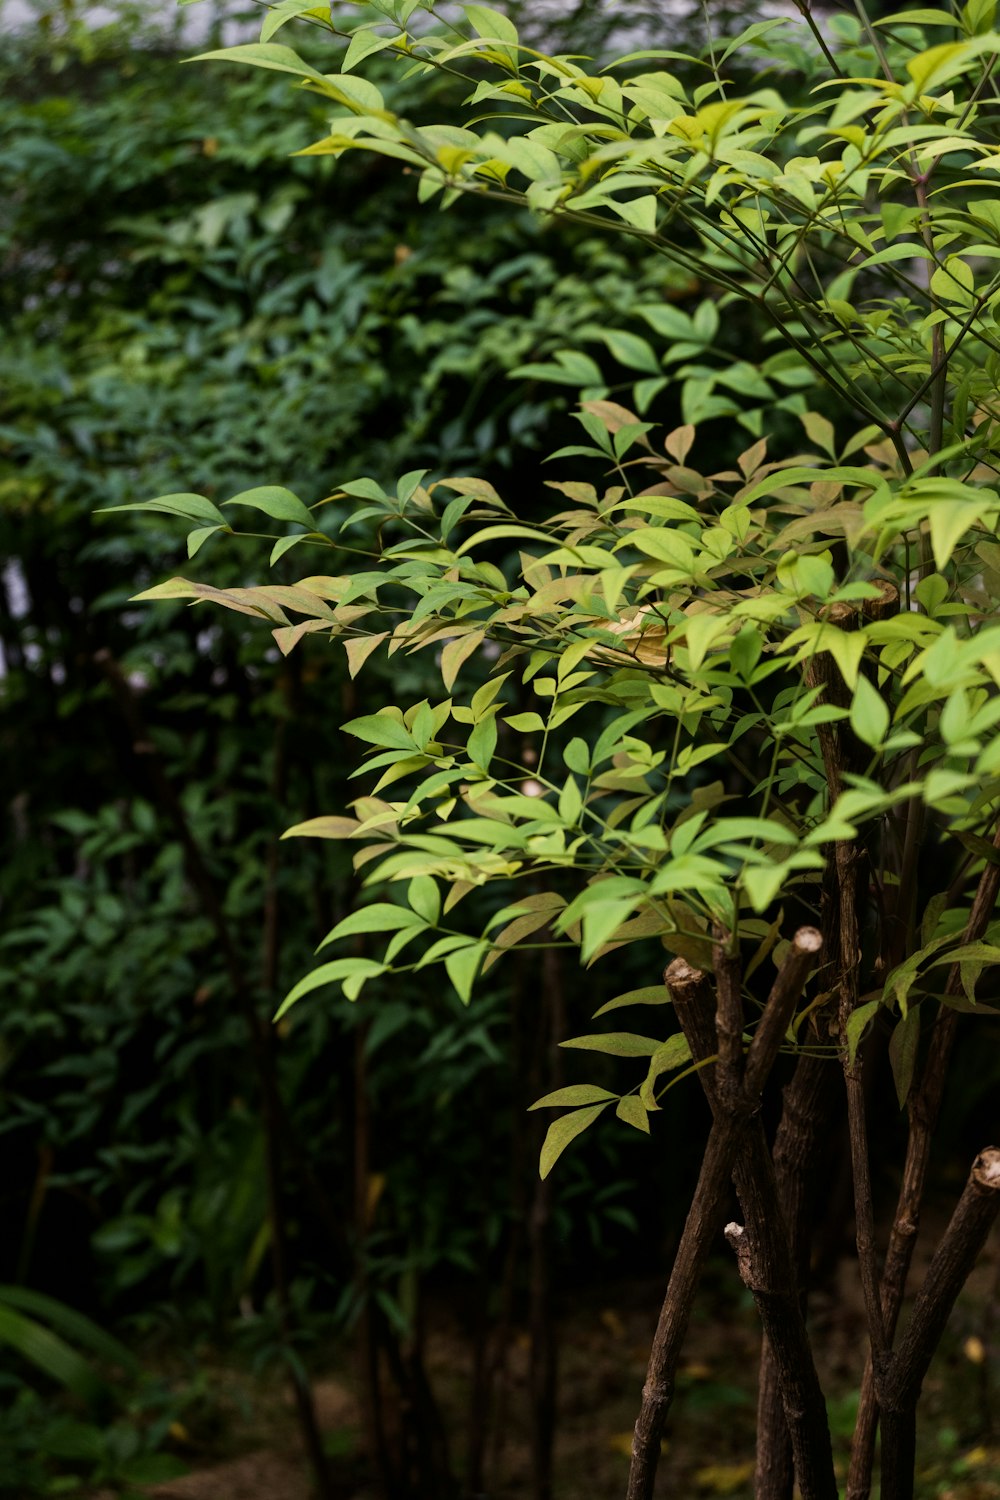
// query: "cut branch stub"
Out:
[691,992]
[974,1216]
[947,1273]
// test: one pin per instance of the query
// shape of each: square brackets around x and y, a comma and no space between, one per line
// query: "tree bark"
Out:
[947,1273]
[764,1252]
[702,1226]
[543,1372]
[736,1142]
[923,1109]
[768,1270]
[803,1128]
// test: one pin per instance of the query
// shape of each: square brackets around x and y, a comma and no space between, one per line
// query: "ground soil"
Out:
[604,1339]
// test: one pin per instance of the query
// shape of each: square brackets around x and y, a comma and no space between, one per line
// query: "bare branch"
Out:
[780,1007]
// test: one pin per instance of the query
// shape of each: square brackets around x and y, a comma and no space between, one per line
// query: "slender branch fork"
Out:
[737,1148]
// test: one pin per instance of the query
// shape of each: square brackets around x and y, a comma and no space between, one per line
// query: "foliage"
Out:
[682,620]
[696,703]
[224,312]
[43,1448]
[241,328]
[752,639]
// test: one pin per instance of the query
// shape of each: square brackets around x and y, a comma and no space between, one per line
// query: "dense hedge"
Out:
[183,304]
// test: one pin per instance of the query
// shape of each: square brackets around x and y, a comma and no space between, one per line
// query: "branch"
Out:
[780,1007]
[923,1110]
[947,1273]
[703,1223]
[728,1020]
[809,1101]
[766,1258]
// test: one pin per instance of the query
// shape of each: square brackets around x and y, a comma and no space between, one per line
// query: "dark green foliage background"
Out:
[185,307]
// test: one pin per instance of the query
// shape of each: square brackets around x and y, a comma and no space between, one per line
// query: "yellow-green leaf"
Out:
[564,1130]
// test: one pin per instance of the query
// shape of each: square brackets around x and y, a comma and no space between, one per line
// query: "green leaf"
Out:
[857,1025]
[362,44]
[456,653]
[671,1054]
[903,1046]
[601,920]
[938,64]
[630,349]
[650,994]
[869,717]
[574,1094]
[632,1110]
[270,55]
[285,544]
[337,969]
[483,742]
[616,1044]
[562,1131]
[951,519]
[920,17]
[502,532]
[188,507]
[931,592]
[51,1354]
[275,501]
[199,536]
[528,723]
[381,729]
[462,965]
[380,916]
[325,827]
[983,953]
[73,1324]
[364,489]
[425,898]
[639,212]
[577,756]
[490,23]
[570,803]
[286,10]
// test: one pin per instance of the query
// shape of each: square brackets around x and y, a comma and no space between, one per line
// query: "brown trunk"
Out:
[923,1110]
[808,1108]
[768,1270]
[701,1228]
[947,1273]
[764,1252]
[367,1343]
[543,1372]
[733,1090]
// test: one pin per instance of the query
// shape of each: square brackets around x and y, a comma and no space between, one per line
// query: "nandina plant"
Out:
[742,716]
